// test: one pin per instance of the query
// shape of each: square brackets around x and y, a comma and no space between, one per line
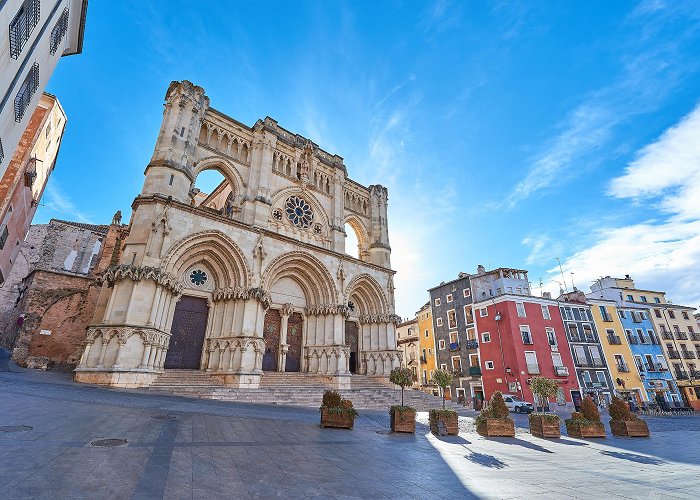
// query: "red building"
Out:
[520,336]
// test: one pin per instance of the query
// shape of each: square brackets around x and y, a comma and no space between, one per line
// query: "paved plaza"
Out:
[185,448]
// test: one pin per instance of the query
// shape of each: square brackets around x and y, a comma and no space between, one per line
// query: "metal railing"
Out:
[632,340]
[623,369]
[614,340]
[666,335]
[475,371]
[561,371]
[680,375]
[454,346]
[26,92]
[681,336]
[472,344]
[22,25]
[688,355]
[673,354]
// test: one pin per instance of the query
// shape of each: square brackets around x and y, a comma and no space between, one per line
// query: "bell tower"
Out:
[169,172]
[379,249]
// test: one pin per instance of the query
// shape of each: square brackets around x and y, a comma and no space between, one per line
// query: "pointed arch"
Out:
[367,296]
[305,269]
[360,229]
[222,165]
[222,255]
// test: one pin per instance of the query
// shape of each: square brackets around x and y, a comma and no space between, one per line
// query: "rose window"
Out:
[298,212]
[198,277]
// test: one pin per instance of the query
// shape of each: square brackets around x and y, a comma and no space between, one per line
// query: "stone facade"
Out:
[50,296]
[261,261]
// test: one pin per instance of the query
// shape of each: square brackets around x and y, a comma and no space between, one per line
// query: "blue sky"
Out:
[508,133]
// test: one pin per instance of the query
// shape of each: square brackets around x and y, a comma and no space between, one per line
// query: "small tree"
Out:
[619,411]
[443,378]
[402,377]
[589,410]
[543,388]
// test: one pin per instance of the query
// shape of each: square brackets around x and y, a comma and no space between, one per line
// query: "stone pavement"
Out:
[218,449]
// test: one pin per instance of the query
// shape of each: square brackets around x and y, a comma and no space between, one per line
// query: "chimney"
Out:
[547,295]
[480,269]
[627,277]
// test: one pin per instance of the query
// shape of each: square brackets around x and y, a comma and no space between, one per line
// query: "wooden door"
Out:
[352,340]
[271,335]
[187,333]
[294,329]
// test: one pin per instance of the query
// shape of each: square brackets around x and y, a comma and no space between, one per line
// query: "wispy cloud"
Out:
[59,205]
[543,250]
[665,251]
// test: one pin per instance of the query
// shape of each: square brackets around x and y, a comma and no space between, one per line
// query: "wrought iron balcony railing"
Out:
[614,340]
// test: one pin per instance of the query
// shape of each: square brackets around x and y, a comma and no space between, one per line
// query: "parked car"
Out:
[517,405]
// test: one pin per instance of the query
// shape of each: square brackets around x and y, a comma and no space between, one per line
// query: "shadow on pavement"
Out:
[4,357]
[633,457]
[485,460]
[521,442]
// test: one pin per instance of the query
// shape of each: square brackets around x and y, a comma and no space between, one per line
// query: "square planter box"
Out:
[634,428]
[544,427]
[451,422]
[496,427]
[403,421]
[337,420]
[585,430]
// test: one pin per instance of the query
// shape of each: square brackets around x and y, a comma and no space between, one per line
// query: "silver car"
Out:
[517,405]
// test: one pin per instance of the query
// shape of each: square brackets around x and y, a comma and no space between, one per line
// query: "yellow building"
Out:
[623,369]
[428,360]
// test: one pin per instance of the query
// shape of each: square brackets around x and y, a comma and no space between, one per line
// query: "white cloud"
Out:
[661,254]
[542,249]
[59,205]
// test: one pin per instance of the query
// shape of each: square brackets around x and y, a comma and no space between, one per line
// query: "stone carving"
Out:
[138,273]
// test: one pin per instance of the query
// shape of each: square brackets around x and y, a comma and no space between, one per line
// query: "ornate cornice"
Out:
[241,293]
[137,273]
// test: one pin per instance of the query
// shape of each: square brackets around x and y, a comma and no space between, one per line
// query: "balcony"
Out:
[695,374]
[454,346]
[688,355]
[607,318]
[527,340]
[591,339]
[673,354]
[475,371]
[680,375]
[561,371]
[472,344]
[574,338]
[533,369]
[599,385]
[666,335]
[695,337]
[681,336]
[654,367]
[623,369]
[614,340]
[598,363]
[632,340]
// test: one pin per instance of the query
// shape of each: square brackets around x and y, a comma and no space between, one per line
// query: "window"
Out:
[426,334]
[454,339]
[657,300]
[488,365]
[652,337]
[641,336]
[661,361]
[604,313]
[59,31]
[595,356]
[456,364]
[551,336]
[545,312]
[556,359]
[630,298]
[579,354]
[2,152]
[3,236]
[467,292]
[521,309]
[437,302]
[657,313]
[622,314]
[685,315]
[443,366]
[573,332]
[640,364]
[438,321]
[671,314]
[430,351]
[441,344]
[533,367]
[449,298]
[642,298]
[601,378]
[587,382]
[620,363]
[451,319]
[566,312]
[22,25]
[525,334]
[485,337]
[468,315]
[26,92]
[483,312]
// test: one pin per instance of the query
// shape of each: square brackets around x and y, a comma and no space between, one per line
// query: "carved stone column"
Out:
[285,313]
[146,355]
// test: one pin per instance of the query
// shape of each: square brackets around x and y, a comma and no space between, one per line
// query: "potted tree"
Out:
[586,423]
[403,418]
[337,412]
[625,423]
[449,418]
[544,424]
[494,419]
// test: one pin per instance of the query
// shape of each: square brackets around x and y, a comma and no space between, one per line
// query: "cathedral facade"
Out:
[252,277]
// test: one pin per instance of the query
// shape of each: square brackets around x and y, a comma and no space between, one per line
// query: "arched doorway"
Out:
[294,342]
[271,335]
[352,340]
[187,333]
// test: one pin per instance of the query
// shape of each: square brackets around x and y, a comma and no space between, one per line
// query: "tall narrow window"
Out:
[521,309]
[545,312]
[22,25]
[26,92]
[451,319]
[59,31]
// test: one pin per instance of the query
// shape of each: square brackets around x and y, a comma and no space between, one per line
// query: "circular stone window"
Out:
[299,212]
[198,277]
[277,214]
[318,229]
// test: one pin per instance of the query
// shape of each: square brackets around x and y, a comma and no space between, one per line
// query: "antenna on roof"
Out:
[562,275]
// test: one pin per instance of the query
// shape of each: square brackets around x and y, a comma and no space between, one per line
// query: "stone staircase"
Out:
[291,389]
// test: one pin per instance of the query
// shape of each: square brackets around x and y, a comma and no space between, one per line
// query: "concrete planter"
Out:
[341,420]
[450,419]
[496,427]
[633,428]
[403,421]
[583,429]
[544,427]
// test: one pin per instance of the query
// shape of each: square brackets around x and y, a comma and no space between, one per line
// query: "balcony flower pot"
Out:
[624,422]
[447,417]
[403,419]
[545,425]
[337,412]
[496,427]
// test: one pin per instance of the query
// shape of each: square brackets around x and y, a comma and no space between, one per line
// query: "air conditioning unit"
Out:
[555,348]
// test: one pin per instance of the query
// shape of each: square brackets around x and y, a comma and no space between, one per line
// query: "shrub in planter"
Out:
[337,412]
[544,425]
[625,423]
[403,418]
[586,423]
[449,418]
[494,419]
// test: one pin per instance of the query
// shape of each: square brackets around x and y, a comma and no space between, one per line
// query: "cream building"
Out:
[408,343]
[253,277]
